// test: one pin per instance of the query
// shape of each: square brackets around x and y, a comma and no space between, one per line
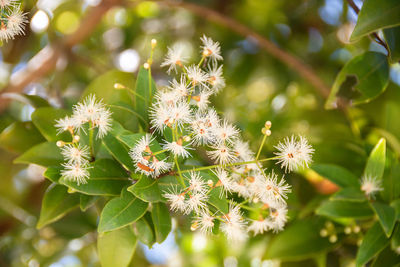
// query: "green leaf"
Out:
[20,136]
[375,15]
[53,174]
[336,174]
[392,37]
[376,161]
[124,113]
[130,139]
[44,154]
[387,258]
[218,200]
[395,240]
[145,89]
[374,241]
[116,248]
[121,211]
[351,194]
[87,201]
[161,221]
[118,151]
[56,203]
[145,232]
[299,241]
[391,180]
[33,100]
[146,189]
[362,79]
[45,119]
[386,215]
[396,205]
[107,178]
[345,209]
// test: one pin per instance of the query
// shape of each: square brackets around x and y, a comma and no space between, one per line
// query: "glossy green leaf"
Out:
[44,154]
[116,248]
[386,215]
[375,15]
[126,113]
[53,173]
[387,257]
[392,37]
[86,201]
[107,178]
[362,79]
[45,120]
[345,209]
[349,194]
[376,161]
[118,151]
[146,189]
[336,174]
[56,203]
[121,211]
[33,100]
[218,200]
[145,89]
[161,220]
[396,205]
[374,241]
[299,241]
[395,240]
[20,136]
[391,180]
[145,232]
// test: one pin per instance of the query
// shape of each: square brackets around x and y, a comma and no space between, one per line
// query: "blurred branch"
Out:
[375,36]
[292,61]
[46,59]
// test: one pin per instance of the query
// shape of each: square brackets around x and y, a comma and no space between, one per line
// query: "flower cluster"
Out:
[91,115]
[182,117]
[13,20]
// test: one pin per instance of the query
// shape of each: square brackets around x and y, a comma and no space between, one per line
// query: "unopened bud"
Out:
[71,190]
[77,138]
[119,86]
[146,66]
[333,238]
[210,183]
[268,124]
[256,200]
[194,226]
[356,229]
[268,132]
[323,232]
[153,43]
[60,143]
[187,138]
[329,225]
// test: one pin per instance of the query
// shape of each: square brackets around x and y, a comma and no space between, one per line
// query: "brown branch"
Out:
[292,61]
[375,36]
[45,61]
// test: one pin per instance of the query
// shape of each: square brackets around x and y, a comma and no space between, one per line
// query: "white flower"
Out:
[196,202]
[177,148]
[75,172]
[221,154]
[211,49]
[76,154]
[234,226]
[278,217]
[176,199]
[202,100]
[65,124]
[141,149]
[272,190]
[215,78]
[241,189]
[7,3]
[167,115]
[242,150]
[103,122]
[159,166]
[180,88]
[174,58]
[204,222]
[259,226]
[294,153]
[370,185]
[16,21]
[203,127]
[197,184]
[197,76]
[226,132]
[90,109]
[224,180]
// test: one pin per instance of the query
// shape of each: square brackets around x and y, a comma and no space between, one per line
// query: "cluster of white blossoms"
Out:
[88,117]
[182,117]
[13,20]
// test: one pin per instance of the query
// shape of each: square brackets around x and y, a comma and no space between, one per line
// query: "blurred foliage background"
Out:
[259,88]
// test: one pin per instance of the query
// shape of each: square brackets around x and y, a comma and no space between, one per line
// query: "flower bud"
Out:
[323,232]
[146,66]
[194,226]
[60,143]
[77,138]
[347,230]
[356,229]
[333,238]
[210,183]
[268,124]
[153,43]
[119,86]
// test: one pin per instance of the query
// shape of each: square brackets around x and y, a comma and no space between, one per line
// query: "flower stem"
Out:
[261,146]
[91,139]
[179,172]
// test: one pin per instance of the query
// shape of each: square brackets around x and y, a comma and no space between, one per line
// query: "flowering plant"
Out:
[13,20]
